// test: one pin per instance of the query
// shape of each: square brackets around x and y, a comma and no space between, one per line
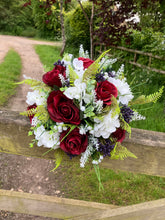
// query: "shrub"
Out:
[77,28]
[46,21]
[14,17]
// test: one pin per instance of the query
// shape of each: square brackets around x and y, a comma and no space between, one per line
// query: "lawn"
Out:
[10,70]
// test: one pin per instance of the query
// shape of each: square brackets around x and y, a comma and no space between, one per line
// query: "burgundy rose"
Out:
[86,62]
[105,90]
[62,109]
[31,107]
[119,135]
[74,143]
[52,78]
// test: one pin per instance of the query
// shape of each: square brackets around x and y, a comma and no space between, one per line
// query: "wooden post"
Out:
[148,146]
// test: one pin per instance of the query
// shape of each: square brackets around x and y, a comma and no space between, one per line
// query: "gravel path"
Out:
[31,65]
[21,173]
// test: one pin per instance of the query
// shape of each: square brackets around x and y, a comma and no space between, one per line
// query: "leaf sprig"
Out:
[147,99]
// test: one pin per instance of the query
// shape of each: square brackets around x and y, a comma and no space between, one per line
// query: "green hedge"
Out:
[77,28]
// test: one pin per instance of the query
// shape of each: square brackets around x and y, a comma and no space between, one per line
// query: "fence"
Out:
[135,52]
[148,146]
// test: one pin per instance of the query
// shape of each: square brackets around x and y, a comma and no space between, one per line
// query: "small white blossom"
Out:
[82,53]
[136,117]
[99,106]
[107,62]
[62,78]
[120,71]
[93,143]
[95,162]
[35,121]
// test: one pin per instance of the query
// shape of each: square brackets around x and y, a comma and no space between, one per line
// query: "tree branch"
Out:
[85,14]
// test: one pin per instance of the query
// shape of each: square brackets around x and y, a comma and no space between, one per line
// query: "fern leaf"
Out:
[115,107]
[73,76]
[29,112]
[35,84]
[124,125]
[42,114]
[120,152]
[93,68]
[59,154]
[147,99]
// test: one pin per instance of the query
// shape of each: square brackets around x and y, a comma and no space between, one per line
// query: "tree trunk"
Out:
[62,28]
[90,22]
[91,32]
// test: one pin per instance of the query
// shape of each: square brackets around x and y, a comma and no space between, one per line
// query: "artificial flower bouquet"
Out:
[83,107]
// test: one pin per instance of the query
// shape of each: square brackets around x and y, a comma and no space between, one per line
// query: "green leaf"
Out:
[58,158]
[35,84]
[97,171]
[73,75]
[120,152]
[147,99]
[71,129]
[93,68]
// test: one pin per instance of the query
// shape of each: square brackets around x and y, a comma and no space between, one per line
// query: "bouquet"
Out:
[83,107]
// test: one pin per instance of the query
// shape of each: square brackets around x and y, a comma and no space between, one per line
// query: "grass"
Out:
[120,188]
[10,71]
[48,54]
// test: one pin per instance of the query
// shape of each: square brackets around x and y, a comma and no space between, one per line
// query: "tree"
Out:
[116,17]
[12,18]
[54,7]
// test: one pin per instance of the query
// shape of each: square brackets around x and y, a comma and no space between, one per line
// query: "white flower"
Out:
[106,127]
[77,91]
[120,71]
[78,67]
[124,91]
[39,131]
[35,121]
[92,146]
[82,53]
[107,62]
[36,97]
[49,140]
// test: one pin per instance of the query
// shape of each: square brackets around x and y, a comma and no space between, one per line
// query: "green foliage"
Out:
[48,54]
[152,15]
[46,20]
[121,152]
[29,112]
[10,71]
[148,40]
[93,68]
[29,32]
[120,188]
[59,154]
[150,98]
[14,18]
[77,28]
[73,75]
[143,81]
